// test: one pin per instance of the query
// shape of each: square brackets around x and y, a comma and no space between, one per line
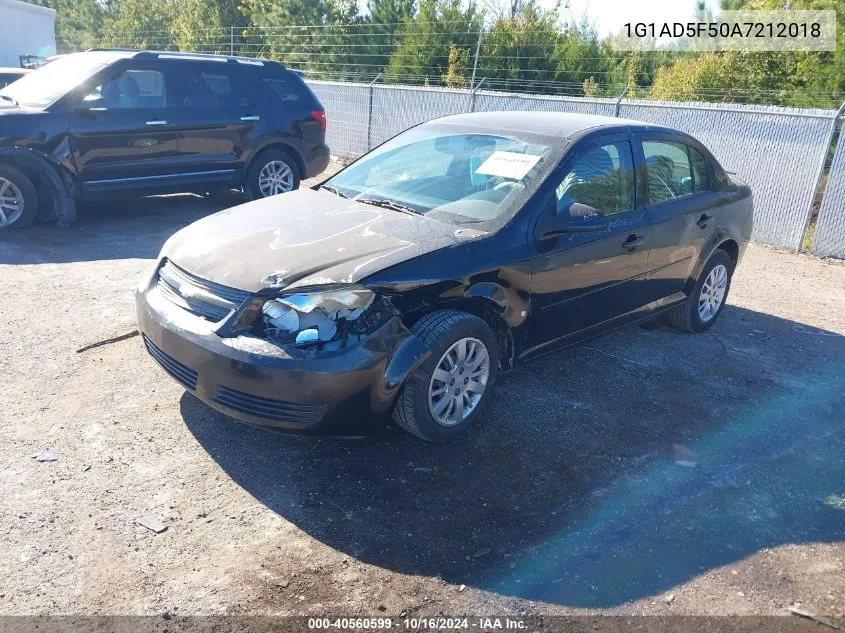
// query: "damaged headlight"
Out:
[330,319]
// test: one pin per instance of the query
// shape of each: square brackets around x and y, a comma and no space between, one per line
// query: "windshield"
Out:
[452,176]
[54,80]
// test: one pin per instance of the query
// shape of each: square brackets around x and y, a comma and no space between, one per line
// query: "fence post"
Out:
[232,40]
[370,112]
[819,175]
[477,51]
[619,101]
[472,92]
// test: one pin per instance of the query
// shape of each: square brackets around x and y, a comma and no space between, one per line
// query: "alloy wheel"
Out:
[11,203]
[712,293]
[274,178]
[458,382]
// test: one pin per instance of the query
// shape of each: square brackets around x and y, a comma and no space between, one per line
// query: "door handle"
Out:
[704,220]
[252,117]
[157,122]
[633,241]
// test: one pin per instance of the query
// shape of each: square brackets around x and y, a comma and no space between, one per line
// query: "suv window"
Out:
[132,89]
[287,91]
[208,89]
[603,178]
[670,175]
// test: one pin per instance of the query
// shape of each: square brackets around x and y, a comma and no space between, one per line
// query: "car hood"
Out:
[304,238]
[8,108]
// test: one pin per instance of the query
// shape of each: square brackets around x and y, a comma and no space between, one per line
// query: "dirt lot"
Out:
[564,499]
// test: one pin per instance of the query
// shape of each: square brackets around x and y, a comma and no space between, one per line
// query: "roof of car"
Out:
[126,53]
[558,124]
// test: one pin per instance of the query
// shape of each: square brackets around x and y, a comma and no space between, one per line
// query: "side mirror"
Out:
[579,218]
[93,102]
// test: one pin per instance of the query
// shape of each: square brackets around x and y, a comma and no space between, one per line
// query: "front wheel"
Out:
[707,298]
[18,198]
[272,172]
[447,393]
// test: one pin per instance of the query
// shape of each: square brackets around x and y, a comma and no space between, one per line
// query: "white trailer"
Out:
[28,30]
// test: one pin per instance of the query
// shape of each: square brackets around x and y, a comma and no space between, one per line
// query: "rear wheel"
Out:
[18,198]
[707,298]
[447,393]
[272,172]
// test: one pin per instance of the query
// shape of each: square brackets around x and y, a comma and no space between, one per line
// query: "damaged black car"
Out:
[406,282]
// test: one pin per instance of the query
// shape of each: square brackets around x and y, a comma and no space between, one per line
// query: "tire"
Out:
[14,184]
[252,186]
[439,332]
[687,317]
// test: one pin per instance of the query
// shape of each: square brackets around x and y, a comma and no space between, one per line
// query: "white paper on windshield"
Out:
[508,165]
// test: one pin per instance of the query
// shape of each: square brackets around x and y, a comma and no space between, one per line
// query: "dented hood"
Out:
[302,238]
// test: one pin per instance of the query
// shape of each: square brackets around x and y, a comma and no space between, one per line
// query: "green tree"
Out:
[581,57]
[429,37]
[782,78]
[383,33]
[139,24]
[522,52]
[455,76]
[309,35]
[78,23]
[211,26]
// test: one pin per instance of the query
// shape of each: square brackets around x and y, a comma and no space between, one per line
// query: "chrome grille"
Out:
[198,296]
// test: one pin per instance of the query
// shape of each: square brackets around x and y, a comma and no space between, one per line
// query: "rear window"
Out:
[287,90]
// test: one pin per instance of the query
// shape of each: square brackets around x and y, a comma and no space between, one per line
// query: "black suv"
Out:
[11,75]
[111,123]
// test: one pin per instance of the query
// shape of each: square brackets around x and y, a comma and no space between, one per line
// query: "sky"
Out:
[609,15]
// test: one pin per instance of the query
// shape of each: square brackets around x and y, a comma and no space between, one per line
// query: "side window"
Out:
[603,178]
[699,171]
[132,89]
[206,89]
[285,90]
[668,168]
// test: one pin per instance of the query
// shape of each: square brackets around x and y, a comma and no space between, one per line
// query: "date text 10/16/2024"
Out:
[481,624]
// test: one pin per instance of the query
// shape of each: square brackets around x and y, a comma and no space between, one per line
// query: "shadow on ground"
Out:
[564,491]
[123,229]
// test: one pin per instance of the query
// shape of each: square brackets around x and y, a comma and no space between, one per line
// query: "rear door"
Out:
[683,208]
[123,128]
[582,280]
[218,117]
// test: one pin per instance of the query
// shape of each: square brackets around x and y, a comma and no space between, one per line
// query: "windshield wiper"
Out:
[388,204]
[14,101]
[334,190]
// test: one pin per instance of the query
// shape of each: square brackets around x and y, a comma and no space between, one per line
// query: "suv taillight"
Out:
[320,115]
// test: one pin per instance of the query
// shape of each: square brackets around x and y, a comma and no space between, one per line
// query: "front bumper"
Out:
[285,388]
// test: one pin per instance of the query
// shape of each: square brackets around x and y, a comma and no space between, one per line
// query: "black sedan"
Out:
[408,280]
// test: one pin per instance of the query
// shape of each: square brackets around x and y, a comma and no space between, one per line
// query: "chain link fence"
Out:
[829,238]
[778,151]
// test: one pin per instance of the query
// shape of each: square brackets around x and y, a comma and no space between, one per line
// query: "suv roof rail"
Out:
[232,59]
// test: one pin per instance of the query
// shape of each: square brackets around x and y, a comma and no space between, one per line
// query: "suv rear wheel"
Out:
[272,172]
[18,198]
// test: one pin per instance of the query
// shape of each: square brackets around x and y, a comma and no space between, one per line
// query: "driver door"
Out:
[123,130]
[580,281]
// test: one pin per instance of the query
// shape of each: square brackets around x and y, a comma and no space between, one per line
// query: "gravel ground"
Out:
[565,499]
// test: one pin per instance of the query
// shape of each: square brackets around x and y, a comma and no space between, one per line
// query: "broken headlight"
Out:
[330,319]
